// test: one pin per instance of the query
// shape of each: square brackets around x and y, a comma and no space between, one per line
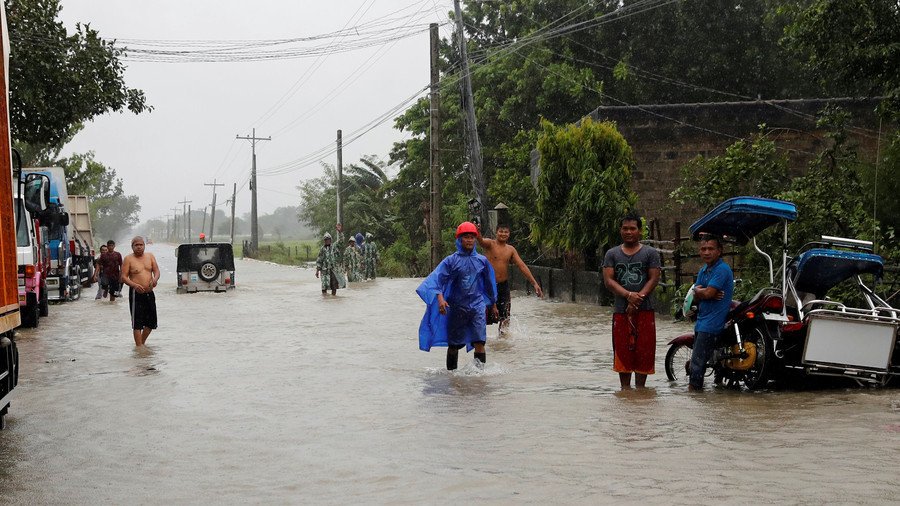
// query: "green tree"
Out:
[852,47]
[748,167]
[59,80]
[112,211]
[584,186]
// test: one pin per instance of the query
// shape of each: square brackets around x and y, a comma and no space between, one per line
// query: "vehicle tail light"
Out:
[72,247]
[227,281]
[183,281]
[750,315]
[29,270]
[773,304]
[792,326]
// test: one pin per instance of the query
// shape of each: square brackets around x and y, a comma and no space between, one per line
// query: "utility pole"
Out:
[340,173]
[190,230]
[204,218]
[254,224]
[167,227]
[174,222]
[184,204]
[233,197]
[473,144]
[212,220]
[435,151]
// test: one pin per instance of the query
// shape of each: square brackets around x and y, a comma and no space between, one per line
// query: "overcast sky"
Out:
[189,139]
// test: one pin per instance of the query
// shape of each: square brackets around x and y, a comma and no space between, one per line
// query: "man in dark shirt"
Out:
[111,270]
[631,272]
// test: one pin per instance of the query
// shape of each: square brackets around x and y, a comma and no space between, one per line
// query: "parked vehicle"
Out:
[205,267]
[33,255]
[81,237]
[64,279]
[832,338]
[744,353]
[9,298]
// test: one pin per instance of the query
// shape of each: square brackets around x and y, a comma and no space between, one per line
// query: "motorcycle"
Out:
[744,352]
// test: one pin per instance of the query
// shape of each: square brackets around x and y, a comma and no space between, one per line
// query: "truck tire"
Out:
[31,313]
[75,283]
[90,277]
[44,304]
[208,271]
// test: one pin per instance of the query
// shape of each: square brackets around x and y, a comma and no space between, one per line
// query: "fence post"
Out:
[676,256]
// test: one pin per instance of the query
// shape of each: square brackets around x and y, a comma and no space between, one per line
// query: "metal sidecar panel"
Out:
[849,343]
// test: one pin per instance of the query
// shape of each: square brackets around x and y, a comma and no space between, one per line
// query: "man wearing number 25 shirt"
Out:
[631,272]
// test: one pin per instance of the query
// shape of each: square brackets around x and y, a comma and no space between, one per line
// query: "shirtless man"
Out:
[500,253]
[141,273]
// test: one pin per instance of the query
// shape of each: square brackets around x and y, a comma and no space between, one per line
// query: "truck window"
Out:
[22,231]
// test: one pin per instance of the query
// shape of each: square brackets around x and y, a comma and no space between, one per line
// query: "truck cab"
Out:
[64,276]
[33,257]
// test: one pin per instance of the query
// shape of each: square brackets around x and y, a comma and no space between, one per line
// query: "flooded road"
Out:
[272,394]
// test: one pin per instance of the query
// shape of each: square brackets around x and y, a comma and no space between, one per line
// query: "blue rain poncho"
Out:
[466,279]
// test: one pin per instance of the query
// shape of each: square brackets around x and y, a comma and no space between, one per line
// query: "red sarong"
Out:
[634,342]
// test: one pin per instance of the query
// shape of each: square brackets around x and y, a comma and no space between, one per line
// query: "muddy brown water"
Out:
[272,394]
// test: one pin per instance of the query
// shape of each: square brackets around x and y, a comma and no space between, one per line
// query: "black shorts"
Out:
[143,309]
[503,303]
[111,284]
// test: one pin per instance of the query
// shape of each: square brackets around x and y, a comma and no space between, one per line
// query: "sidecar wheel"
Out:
[678,362]
[758,375]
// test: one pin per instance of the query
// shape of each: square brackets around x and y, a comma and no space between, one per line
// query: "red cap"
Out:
[466,227]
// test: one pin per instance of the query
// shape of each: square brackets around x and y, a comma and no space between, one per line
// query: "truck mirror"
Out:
[64,220]
[37,193]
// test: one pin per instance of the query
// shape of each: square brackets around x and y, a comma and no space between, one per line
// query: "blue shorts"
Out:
[465,326]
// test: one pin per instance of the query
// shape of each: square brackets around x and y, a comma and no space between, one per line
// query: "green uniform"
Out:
[328,266]
[371,256]
[352,263]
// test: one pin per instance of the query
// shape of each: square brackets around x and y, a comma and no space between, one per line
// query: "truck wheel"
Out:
[75,283]
[90,277]
[30,314]
[44,305]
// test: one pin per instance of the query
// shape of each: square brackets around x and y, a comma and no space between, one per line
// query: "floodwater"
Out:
[272,394]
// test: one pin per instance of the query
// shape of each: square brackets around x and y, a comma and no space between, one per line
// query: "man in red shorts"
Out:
[631,272]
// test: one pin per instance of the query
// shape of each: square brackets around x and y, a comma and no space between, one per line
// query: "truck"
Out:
[64,278]
[33,259]
[9,298]
[82,237]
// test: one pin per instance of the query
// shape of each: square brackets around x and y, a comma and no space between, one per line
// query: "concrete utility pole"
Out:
[473,144]
[204,218]
[212,219]
[167,227]
[436,252]
[190,230]
[340,174]
[184,204]
[174,222]
[254,224]
[233,196]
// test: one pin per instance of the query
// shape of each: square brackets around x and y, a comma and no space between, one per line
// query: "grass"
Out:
[294,252]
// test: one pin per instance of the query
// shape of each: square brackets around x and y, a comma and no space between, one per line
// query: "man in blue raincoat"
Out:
[456,294]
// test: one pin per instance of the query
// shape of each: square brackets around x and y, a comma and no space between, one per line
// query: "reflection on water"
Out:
[272,394]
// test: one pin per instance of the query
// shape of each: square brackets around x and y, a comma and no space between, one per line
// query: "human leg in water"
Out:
[480,355]
[452,357]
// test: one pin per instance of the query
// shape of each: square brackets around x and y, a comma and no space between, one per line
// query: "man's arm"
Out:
[485,244]
[526,272]
[154,281]
[609,279]
[653,274]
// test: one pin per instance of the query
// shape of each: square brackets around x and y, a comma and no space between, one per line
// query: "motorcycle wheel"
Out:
[757,376]
[678,362]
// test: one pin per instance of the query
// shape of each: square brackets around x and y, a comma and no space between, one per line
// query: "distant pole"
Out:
[473,146]
[189,229]
[167,228]
[254,223]
[233,196]
[340,173]
[212,219]
[174,223]
[184,204]
[204,218]
[435,150]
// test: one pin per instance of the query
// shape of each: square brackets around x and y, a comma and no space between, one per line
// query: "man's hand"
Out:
[317,273]
[537,290]
[634,299]
[339,227]
[442,304]
[495,312]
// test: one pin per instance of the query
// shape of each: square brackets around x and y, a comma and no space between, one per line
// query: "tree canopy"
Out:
[59,80]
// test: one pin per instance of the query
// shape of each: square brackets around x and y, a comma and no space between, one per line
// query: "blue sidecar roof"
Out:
[820,269]
[741,218]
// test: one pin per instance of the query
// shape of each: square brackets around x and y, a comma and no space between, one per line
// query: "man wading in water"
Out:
[500,253]
[631,272]
[141,273]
